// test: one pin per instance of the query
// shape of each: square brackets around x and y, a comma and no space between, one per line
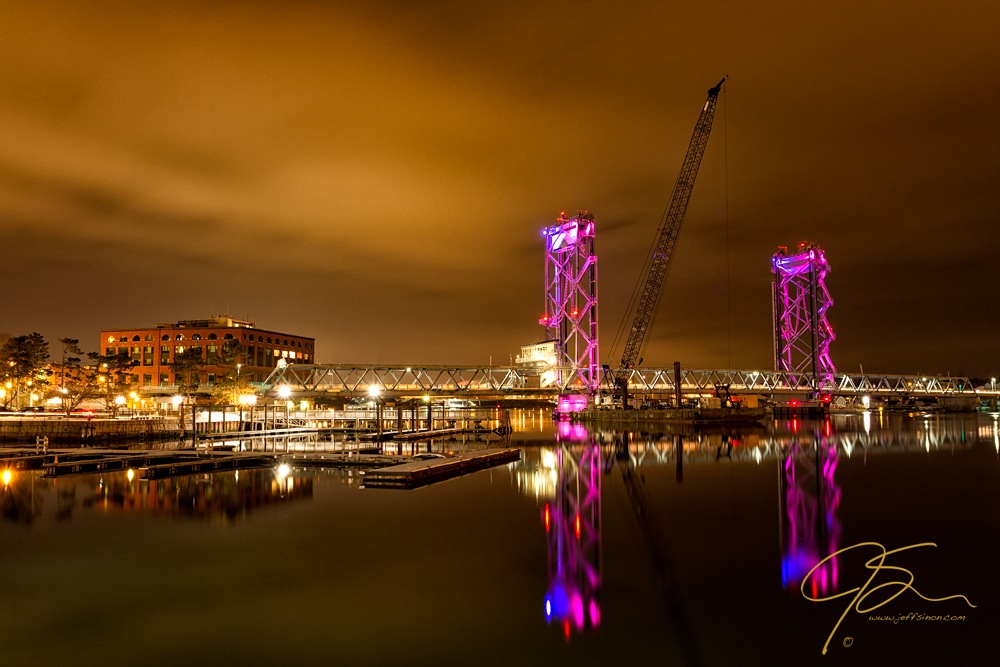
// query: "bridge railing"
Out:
[357,380]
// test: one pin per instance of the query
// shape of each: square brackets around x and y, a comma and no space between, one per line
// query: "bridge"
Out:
[484,382]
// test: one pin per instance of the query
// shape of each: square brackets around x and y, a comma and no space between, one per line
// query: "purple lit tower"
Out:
[802,335]
[570,316]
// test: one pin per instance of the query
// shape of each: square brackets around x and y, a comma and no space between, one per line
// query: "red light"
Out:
[548,519]
[577,526]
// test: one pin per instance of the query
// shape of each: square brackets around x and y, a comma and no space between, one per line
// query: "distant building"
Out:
[153,348]
[539,359]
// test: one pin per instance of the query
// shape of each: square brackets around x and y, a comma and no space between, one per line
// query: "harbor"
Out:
[600,514]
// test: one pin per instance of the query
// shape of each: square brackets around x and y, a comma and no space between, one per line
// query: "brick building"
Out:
[153,348]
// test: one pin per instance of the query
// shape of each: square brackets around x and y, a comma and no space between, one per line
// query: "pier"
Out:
[430,470]
[381,470]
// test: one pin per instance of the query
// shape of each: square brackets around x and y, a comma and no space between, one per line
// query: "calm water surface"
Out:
[598,548]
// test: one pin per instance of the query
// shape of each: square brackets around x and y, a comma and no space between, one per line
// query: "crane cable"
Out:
[729,282]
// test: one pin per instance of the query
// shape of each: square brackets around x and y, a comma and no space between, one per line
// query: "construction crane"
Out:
[664,245]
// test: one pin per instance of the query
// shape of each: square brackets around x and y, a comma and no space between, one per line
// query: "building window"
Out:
[164,379]
[135,338]
[213,354]
[164,355]
[111,352]
[135,353]
[195,336]
[212,336]
[149,337]
[179,350]
[147,380]
[123,339]
[147,355]
[211,378]
[165,337]
[198,347]
[179,337]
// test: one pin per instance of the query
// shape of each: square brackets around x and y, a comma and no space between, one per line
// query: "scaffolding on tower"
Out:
[570,317]
[802,334]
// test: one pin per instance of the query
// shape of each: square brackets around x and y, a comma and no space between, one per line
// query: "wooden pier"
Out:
[379,470]
[427,471]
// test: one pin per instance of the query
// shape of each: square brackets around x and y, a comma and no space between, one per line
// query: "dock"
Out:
[379,470]
[430,470]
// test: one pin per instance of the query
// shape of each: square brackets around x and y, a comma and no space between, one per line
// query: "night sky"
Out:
[376,174]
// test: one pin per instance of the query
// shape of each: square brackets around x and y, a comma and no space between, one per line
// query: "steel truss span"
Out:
[354,380]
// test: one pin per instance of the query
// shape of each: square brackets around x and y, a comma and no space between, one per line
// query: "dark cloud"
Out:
[376,174]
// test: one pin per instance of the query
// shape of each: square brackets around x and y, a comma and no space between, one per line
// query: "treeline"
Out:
[34,375]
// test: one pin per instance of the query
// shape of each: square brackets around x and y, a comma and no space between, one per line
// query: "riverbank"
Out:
[87,431]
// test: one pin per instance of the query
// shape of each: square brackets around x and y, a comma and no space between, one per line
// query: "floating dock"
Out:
[430,470]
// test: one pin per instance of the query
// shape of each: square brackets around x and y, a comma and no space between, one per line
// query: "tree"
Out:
[110,378]
[230,383]
[70,360]
[76,384]
[187,367]
[23,360]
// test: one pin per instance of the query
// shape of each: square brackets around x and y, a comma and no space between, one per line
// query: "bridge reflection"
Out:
[806,456]
[572,522]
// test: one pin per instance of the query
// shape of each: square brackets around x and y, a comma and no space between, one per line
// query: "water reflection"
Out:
[810,497]
[807,455]
[572,520]
[225,495]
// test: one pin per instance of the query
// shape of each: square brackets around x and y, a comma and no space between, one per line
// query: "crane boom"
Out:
[671,226]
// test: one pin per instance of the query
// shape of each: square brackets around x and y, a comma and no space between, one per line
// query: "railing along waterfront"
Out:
[354,380]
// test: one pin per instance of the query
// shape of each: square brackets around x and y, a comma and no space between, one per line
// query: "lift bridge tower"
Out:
[802,334]
[570,318]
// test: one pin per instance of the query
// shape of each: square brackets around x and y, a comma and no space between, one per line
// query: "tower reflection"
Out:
[572,520]
[810,497]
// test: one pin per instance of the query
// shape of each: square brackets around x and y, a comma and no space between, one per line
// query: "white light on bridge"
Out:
[284,391]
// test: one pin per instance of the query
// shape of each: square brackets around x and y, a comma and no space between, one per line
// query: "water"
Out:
[697,563]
